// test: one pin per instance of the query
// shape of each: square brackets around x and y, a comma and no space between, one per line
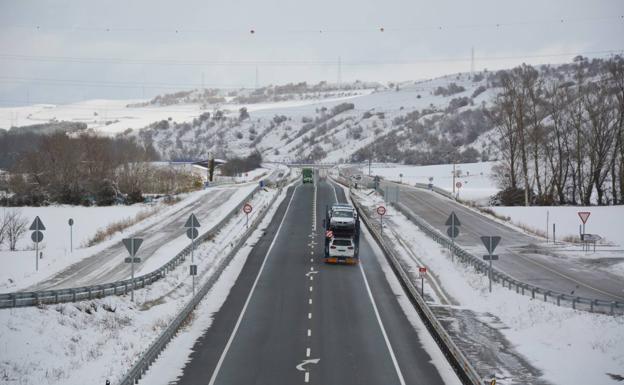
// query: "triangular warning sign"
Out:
[37,225]
[192,221]
[584,215]
[453,220]
[490,243]
[132,245]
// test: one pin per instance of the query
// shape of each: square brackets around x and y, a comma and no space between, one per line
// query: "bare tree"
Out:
[3,229]
[15,227]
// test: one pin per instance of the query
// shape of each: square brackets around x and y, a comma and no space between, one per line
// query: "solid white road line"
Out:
[383,330]
[253,288]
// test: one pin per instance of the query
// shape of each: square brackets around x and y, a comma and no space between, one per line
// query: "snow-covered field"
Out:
[475,178]
[57,254]
[570,347]
[606,221]
[92,341]
[114,116]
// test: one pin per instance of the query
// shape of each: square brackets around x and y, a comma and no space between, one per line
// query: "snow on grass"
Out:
[476,180]
[55,246]
[170,365]
[570,347]
[91,341]
[606,221]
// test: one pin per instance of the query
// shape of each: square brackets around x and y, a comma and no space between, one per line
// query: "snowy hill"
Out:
[417,122]
[341,126]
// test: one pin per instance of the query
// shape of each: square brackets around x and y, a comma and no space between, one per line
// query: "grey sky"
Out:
[421,39]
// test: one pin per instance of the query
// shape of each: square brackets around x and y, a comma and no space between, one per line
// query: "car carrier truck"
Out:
[342,235]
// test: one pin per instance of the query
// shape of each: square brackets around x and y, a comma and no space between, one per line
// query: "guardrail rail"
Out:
[152,353]
[462,366]
[36,298]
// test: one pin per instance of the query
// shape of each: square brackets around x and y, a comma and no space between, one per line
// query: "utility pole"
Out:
[472,61]
[339,73]
[454,174]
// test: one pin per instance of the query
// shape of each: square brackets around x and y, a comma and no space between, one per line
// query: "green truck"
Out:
[308,175]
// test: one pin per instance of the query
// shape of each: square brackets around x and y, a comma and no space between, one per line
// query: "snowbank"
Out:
[570,347]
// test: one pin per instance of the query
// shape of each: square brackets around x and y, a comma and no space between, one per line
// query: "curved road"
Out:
[522,256]
[108,265]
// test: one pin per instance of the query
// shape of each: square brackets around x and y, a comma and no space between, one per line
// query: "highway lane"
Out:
[521,255]
[108,265]
[287,307]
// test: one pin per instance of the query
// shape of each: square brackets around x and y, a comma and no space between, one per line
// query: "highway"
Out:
[291,319]
[522,256]
[108,265]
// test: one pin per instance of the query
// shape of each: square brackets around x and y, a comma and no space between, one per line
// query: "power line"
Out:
[285,63]
[320,30]
[117,84]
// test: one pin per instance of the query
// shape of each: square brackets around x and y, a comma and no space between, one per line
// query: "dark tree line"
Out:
[562,137]
[79,170]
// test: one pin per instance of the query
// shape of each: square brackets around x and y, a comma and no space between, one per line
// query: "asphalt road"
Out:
[522,256]
[287,307]
[109,266]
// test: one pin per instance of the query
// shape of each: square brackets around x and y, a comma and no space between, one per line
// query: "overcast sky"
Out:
[59,51]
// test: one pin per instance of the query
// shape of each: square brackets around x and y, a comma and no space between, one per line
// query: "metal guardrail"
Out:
[575,302]
[437,189]
[35,298]
[462,366]
[152,353]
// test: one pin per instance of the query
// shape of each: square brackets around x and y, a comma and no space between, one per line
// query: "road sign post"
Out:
[381,210]
[191,225]
[422,271]
[453,231]
[490,243]
[37,236]
[71,235]
[247,208]
[584,215]
[132,245]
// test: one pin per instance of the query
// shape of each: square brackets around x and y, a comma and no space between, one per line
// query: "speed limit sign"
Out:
[381,210]
[247,208]
[458,184]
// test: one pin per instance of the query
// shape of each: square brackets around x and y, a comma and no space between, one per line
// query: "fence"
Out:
[19,299]
[456,358]
[152,353]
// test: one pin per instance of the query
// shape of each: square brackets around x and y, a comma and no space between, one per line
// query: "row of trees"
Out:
[562,135]
[80,170]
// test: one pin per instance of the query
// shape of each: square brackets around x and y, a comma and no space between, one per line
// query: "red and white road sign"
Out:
[381,210]
[247,208]
[422,271]
[584,215]
[329,234]
[458,184]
